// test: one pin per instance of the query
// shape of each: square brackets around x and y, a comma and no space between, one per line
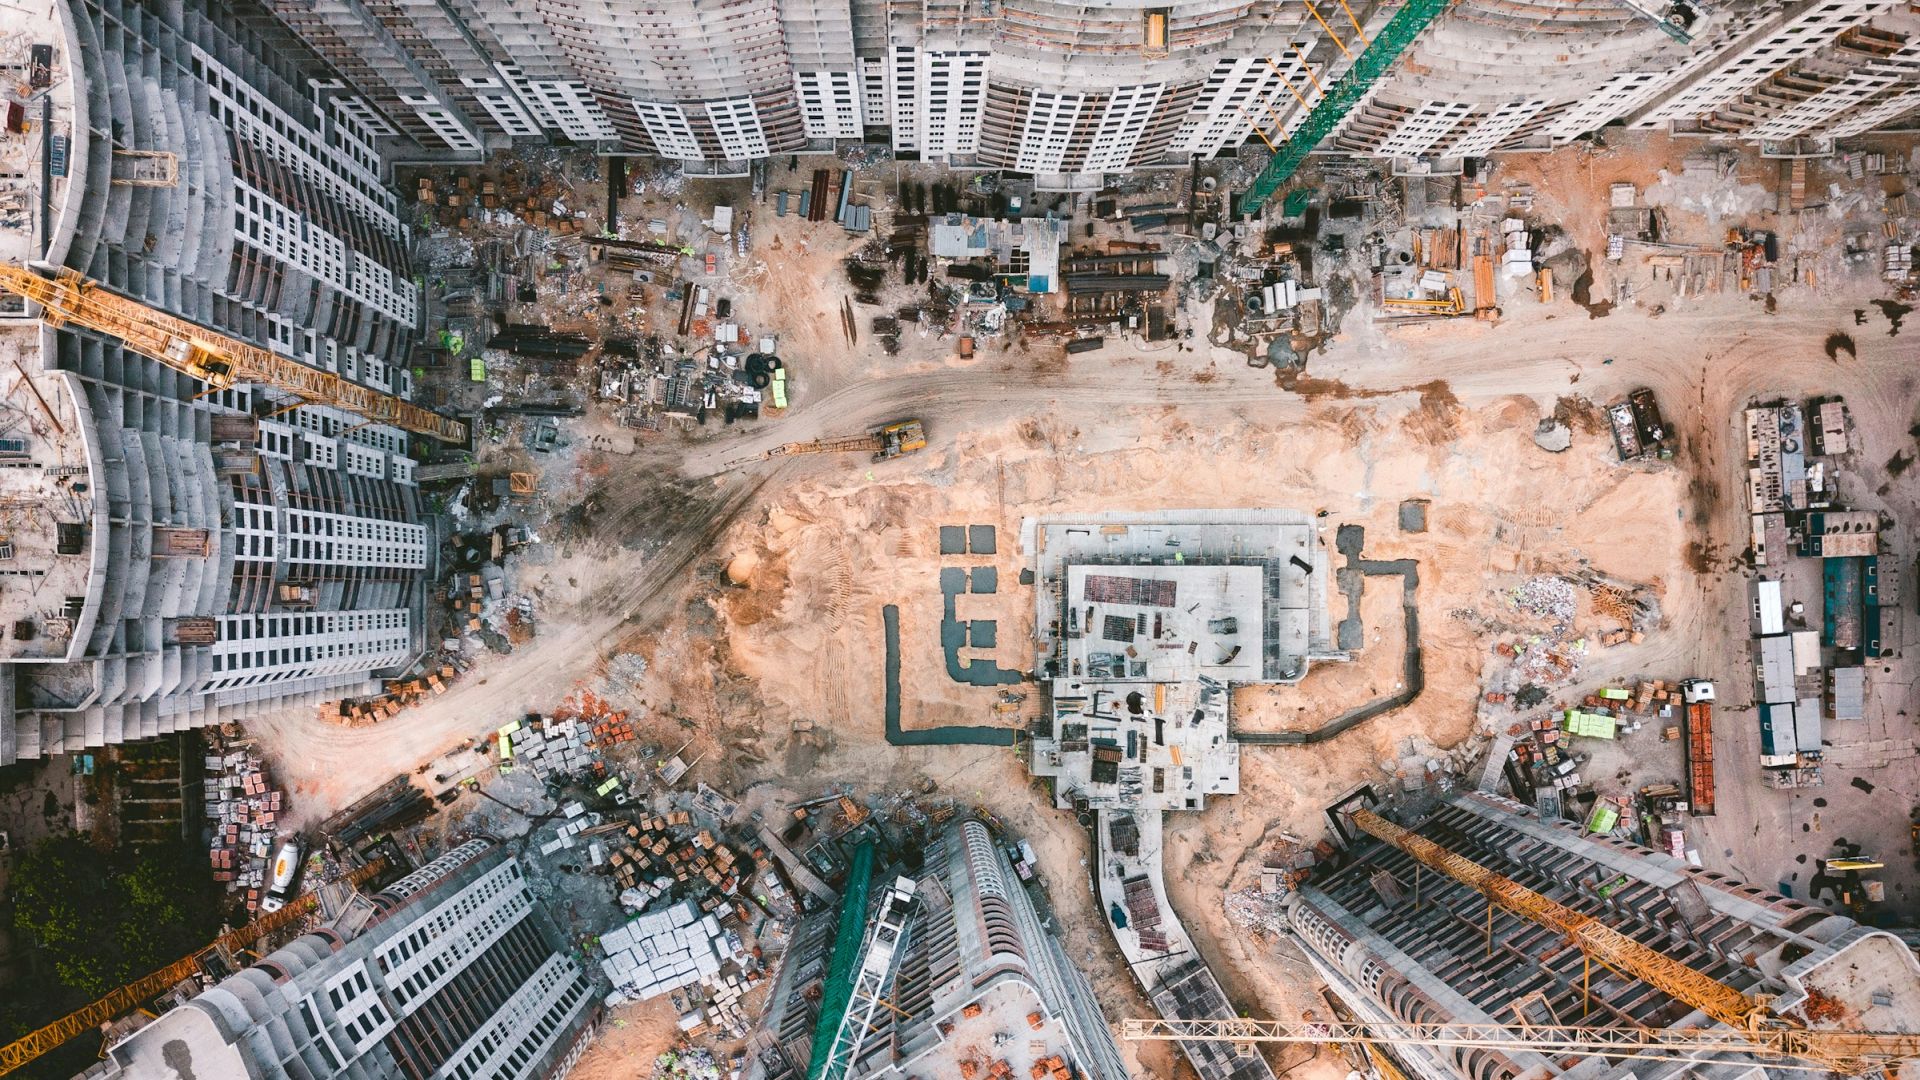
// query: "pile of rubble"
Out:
[1422,765]
[244,808]
[1546,597]
[626,670]
[693,1063]
[1545,659]
[1262,913]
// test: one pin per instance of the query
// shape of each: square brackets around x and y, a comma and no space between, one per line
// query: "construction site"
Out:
[812,540]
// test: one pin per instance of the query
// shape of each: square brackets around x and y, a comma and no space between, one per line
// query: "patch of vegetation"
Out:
[103,918]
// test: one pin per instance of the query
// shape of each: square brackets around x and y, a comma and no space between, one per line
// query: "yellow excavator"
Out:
[898,439]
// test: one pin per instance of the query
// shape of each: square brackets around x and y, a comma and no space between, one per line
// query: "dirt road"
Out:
[1702,362]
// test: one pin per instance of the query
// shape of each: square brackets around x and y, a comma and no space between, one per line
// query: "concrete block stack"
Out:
[243,808]
[554,747]
[675,948]
[569,742]
[579,820]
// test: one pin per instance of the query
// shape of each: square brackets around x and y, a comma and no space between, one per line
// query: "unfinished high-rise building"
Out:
[454,972]
[1402,942]
[1530,76]
[979,971]
[1063,90]
[173,554]
[1813,70]
[450,80]
[1144,625]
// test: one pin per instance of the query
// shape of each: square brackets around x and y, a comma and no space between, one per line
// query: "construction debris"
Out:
[244,810]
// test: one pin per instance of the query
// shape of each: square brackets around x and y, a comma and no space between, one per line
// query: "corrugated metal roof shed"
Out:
[1767,602]
[1806,725]
[1849,693]
[1776,733]
[1776,669]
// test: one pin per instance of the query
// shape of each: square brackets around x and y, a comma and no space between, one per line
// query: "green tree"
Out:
[169,907]
[101,919]
[63,902]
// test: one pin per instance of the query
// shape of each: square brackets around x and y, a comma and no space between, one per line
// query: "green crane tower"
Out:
[1326,114]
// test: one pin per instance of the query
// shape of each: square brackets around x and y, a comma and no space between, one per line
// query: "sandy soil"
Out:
[780,675]
[630,1038]
[1114,433]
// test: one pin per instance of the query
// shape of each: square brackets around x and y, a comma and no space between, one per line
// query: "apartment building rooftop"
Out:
[35,164]
[1008,1022]
[47,508]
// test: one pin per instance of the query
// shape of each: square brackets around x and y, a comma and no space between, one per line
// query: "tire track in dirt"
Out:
[336,764]
[642,571]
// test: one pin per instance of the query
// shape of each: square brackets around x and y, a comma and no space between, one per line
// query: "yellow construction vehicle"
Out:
[68,299]
[134,994]
[898,439]
[1750,1025]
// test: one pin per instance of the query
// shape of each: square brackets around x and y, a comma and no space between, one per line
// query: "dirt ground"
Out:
[632,1036]
[777,673]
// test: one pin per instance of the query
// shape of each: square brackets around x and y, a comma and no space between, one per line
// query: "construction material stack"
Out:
[1698,695]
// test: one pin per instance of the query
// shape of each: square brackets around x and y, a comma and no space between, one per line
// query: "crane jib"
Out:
[69,299]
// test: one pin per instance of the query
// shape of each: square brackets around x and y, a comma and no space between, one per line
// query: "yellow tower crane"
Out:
[1751,1027]
[70,299]
[118,1002]
[1781,1050]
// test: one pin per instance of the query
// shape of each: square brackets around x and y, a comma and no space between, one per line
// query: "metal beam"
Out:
[1815,1051]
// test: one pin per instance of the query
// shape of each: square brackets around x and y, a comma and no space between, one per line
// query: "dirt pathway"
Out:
[629,569]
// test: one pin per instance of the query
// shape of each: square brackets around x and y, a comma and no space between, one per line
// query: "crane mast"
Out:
[70,299]
[879,960]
